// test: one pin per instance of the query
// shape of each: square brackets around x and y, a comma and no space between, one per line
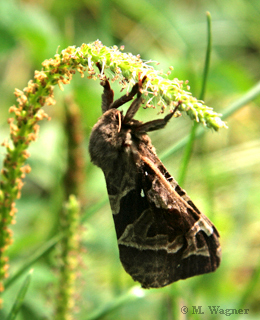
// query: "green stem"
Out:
[249,288]
[68,259]
[187,154]
[245,99]
[190,144]
[207,59]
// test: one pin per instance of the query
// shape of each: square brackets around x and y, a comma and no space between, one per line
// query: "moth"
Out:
[162,236]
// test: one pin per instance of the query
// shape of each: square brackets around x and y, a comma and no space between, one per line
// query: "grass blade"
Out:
[49,245]
[189,145]
[134,293]
[20,297]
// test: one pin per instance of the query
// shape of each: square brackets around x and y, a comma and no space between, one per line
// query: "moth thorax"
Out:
[128,139]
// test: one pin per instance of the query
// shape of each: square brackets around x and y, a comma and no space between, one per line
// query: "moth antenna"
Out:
[119,121]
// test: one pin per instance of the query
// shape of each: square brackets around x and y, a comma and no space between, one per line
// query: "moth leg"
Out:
[127,97]
[107,96]
[135,105]
[108,93]
[156,124]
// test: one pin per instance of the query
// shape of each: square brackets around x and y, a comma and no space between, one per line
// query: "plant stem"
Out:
[190,144]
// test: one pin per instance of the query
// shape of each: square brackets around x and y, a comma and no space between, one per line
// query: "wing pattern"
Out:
[162,236]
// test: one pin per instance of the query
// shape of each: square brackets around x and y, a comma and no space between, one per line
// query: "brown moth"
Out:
[162,236]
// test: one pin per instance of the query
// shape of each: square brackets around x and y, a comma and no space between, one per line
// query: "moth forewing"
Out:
[162,236]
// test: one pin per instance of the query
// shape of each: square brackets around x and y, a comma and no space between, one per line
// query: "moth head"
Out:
[107,138]
[112,119]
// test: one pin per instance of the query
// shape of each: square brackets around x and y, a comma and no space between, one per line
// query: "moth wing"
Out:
[162,236]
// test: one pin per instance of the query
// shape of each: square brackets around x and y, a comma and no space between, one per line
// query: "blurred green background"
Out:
[222,177]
